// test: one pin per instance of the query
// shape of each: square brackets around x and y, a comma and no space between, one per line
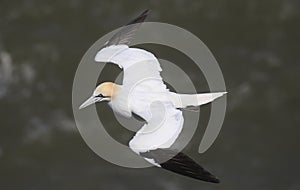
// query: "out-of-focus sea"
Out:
[255,42]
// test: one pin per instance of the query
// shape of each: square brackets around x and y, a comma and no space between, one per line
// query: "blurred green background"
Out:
[255,42]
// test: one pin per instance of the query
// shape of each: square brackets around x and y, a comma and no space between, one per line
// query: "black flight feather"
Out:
[180,163]
[127,32]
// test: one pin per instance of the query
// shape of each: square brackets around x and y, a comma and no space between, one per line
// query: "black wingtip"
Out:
[146,12]
[125,35]
[180,163]
[141,18]
[190,170]
[211,178]
[215,180]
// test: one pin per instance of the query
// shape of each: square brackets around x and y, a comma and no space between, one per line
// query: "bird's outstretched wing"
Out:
[140,66]
[127,32]
[154,140]
[164,124]
[180,163]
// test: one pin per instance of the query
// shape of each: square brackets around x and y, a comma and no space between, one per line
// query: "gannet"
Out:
[144,94]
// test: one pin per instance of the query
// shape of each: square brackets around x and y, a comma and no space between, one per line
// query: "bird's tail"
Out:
[187,100]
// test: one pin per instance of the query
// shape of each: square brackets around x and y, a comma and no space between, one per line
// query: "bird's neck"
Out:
[115,90]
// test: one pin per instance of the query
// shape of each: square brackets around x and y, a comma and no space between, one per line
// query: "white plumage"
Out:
[144,93]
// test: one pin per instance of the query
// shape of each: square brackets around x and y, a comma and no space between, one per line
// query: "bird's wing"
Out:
[127,32]
[164,123]
[139,65]
[180,163]
[154,140]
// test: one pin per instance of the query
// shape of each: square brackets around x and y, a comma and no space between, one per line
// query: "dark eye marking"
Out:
[101,96]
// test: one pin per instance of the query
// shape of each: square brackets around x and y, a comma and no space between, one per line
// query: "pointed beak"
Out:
[90,101]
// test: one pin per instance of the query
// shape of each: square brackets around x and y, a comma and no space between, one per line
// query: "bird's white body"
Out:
[144,93]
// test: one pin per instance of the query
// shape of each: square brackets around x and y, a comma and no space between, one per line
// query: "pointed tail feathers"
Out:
[186,100]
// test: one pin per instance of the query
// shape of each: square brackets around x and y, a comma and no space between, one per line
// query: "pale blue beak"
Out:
[90,101]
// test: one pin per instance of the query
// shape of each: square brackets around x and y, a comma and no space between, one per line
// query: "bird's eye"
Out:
[100,96]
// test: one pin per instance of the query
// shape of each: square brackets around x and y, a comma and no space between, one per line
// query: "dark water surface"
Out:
[255,42]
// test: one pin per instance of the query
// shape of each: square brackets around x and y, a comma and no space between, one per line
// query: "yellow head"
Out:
[104,92]
[106,89]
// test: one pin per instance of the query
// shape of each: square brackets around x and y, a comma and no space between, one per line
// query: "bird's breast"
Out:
[120,104]
[136,101]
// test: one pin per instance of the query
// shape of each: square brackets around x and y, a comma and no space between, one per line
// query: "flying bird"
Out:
[144,94]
